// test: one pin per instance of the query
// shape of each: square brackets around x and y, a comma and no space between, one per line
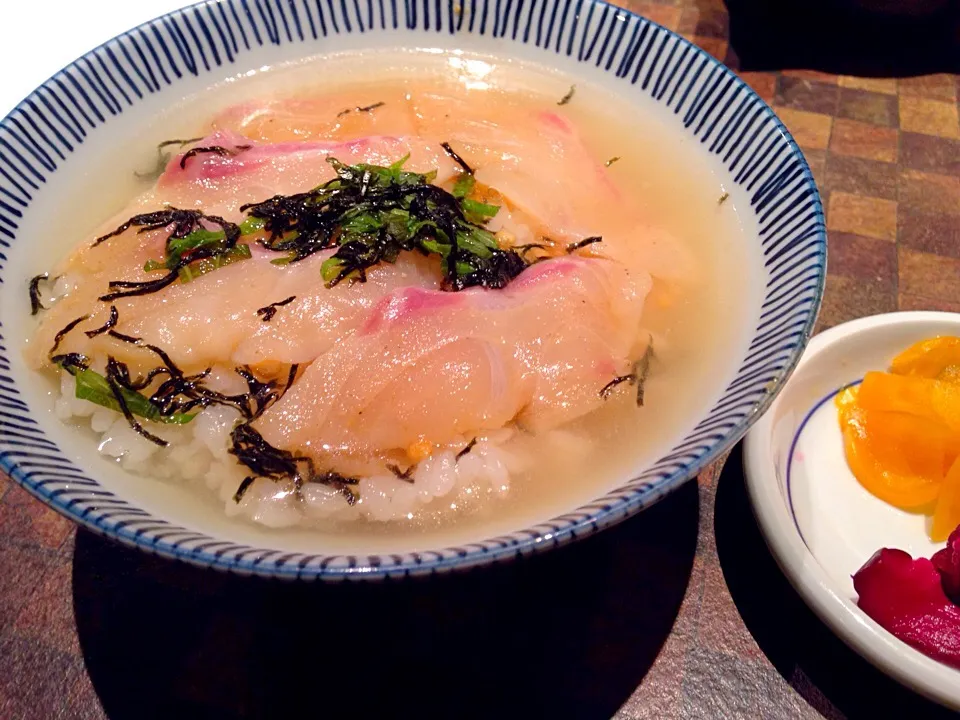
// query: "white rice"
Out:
[197,455]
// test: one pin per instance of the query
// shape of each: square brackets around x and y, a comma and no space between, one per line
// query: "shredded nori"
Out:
[574,246]
[125,409]
[268,311]
[267,461]
[242,489]
[642,369]
[181,393]
[366,109]
[291,376]
[456,158]
[466,449]
[723,198]
[212,149]
[63,333]
[71,361]
[35,304]
[607,389]
[371,214]
[611,161]
[569,96]
[163,158]
[405,475]
[186,223]
[637,377]
[109,324]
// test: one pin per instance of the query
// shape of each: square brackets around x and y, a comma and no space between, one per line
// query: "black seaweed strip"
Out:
[35,304]
[60,335]
[267,461]
[212,149]
[569,96]
[456,158]
[131,420]
[130,289]
[110,323]
[366,109]
[268,311]
[71,361]
[405,475]
[574,246]
[642,369]
[188,386]
[607,389]
[242,489]
[466,449]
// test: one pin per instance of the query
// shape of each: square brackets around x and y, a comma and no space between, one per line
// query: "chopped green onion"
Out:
[176,247]
[478,212]
[93,386]
[252,225]
[284,260]
[202,267]
[441,249]
[470,243]
[330,269]
[464,185]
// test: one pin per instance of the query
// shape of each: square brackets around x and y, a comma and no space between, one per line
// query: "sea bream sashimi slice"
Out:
[539,164]
[248,171]
[361,112]
[431,367]
[212,319]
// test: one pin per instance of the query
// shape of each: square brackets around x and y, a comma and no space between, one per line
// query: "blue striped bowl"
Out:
[184,51]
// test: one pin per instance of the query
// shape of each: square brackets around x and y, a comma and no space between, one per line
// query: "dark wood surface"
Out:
[678,613]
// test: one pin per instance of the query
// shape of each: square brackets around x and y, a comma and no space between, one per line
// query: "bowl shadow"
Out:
[570,633]
[830,676]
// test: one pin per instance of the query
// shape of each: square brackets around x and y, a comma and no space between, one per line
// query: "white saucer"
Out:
[819,522]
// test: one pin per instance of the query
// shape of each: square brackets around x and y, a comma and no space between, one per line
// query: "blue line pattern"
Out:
[715,107]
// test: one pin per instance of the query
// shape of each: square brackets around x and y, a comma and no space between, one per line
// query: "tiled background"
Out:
[679,613]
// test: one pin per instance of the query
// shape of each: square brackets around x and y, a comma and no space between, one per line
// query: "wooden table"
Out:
[678,613]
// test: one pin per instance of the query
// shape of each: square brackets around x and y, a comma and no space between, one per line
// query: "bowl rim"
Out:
[909,666]
[550,533]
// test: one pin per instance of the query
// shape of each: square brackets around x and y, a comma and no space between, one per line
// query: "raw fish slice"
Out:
[329,117]
[218,300]
[535,158]
[433,366]
[538,162]
[218,322]
[221,184]
[213,319]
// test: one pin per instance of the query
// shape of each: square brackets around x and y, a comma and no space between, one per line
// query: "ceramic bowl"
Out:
[46,142]
[819,522]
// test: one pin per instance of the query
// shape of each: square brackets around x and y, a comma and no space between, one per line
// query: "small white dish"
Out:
[820,523]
